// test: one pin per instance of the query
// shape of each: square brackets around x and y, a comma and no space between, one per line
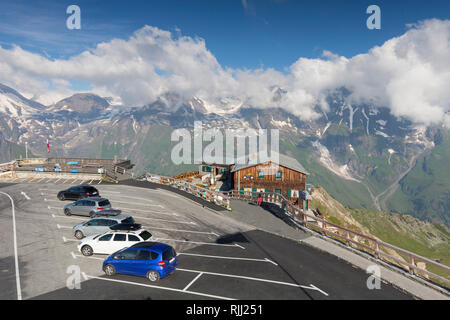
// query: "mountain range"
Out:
[361,154]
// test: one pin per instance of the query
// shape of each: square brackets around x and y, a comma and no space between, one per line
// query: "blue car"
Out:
[153,260]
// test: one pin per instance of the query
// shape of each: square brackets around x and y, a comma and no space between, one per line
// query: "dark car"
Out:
[78,192]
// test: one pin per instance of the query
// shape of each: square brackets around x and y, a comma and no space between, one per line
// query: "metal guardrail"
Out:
[351,238]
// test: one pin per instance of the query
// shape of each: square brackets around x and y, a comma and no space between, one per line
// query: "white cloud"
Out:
[409,74]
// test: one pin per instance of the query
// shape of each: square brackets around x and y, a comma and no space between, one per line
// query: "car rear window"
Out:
[104,203]
[90,189]
[128,220]
[145,235]
[169,254]
[132,238]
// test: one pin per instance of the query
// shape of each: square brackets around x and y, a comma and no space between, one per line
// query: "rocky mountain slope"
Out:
[362,155]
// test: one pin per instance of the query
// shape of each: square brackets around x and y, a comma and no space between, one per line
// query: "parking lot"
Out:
[218,257]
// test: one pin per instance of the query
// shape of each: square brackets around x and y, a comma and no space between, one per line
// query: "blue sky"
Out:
[231,53]
[239,33]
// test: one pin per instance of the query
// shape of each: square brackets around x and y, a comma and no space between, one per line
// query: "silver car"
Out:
[87,207]
[100,225]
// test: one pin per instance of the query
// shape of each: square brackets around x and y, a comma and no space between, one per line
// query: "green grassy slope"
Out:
[425,191]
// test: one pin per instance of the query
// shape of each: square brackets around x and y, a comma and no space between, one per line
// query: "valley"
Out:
[362,155]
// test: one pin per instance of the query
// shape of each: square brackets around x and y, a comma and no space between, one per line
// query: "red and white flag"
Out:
[48,146]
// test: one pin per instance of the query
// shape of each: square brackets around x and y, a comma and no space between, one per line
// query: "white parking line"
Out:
[56,208]
[16,258]
[57,180]
[196,242]
[62,227]
[138,204]
[162,220]
[74,255]
[311,287]
[192,282]
[69,240]
[148,211]
[67,217]
[99,182]
[25,195]
[228,258]
[161,288]
[190,231]
[52,200]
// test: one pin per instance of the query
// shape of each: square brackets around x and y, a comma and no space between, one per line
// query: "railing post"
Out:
[377,248]
[348,239]
[411,270]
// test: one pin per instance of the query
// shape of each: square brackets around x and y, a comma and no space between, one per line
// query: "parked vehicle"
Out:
[87,207]
[101,225]
[112,241]
[153,260]
[78,192]
[108,213]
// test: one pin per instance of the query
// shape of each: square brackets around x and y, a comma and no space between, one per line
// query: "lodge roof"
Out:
[283,160]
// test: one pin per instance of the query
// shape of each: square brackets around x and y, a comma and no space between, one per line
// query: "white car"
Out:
[112,241]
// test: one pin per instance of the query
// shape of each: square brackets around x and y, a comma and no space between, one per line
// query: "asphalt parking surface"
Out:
[218,257]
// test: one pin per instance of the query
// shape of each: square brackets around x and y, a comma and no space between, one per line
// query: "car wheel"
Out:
[62,198]
[91,214]
[110,270]
[67,212]
[79,234]
[153,276]
[87,250]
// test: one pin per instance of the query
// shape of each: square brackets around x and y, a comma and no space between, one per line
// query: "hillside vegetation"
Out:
[402,230]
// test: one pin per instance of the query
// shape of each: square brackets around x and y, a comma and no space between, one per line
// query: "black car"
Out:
[78,192]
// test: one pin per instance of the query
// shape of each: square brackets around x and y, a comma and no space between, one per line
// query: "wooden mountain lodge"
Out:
[287,177]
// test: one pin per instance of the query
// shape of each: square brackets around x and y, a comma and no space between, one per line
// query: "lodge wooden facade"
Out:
[271,177]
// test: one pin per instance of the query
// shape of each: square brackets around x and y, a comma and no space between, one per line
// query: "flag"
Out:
[48,146]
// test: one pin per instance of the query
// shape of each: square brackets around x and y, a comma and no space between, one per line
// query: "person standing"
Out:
[259,199]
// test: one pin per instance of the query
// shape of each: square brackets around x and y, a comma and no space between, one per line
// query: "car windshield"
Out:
[104,203]
[128,220]
[145,235]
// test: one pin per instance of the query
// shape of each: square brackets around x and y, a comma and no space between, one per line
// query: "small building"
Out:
[287,177]
[216,175]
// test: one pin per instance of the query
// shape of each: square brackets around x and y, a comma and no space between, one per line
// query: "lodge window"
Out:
[278,175]
[261,174]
